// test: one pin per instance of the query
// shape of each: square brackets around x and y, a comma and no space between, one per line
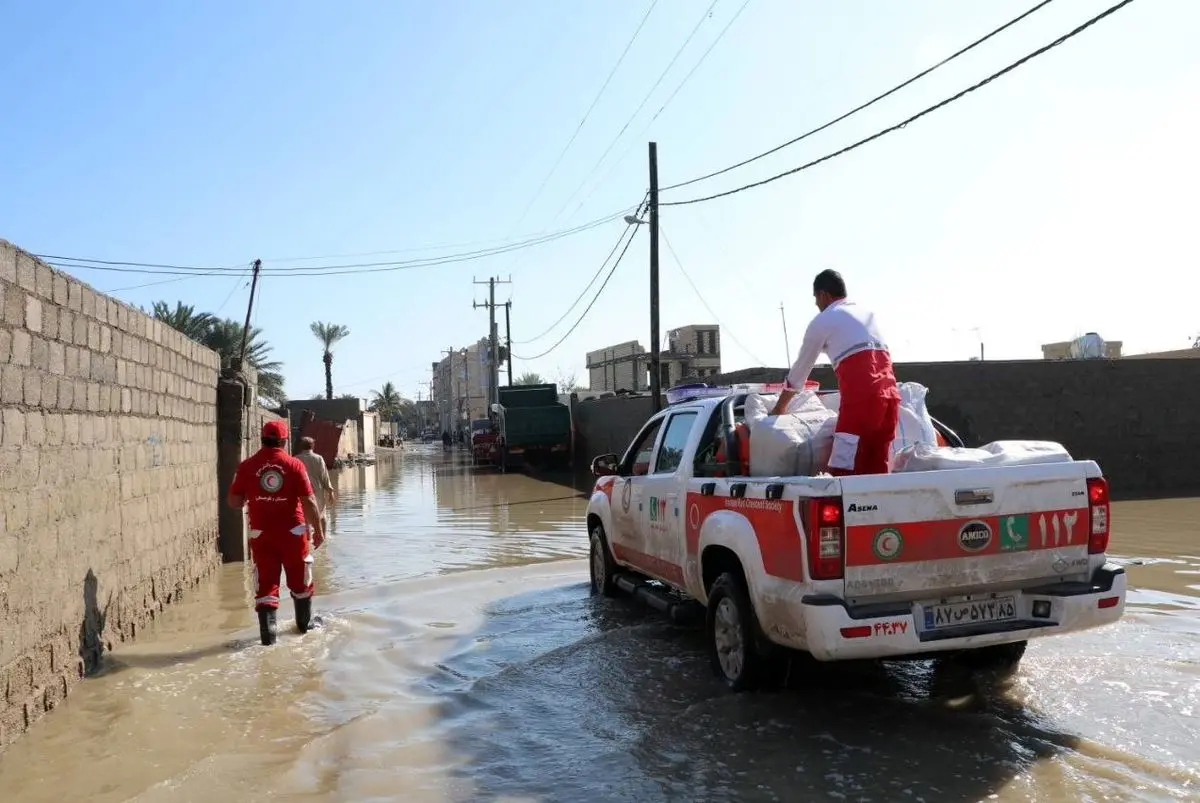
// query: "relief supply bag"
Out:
[923,457]
[795,444]
[915,424]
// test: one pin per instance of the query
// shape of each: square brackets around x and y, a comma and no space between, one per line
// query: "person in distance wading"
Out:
[283,511]
[869,409]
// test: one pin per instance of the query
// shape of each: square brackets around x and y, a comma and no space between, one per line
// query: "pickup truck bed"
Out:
[877,566]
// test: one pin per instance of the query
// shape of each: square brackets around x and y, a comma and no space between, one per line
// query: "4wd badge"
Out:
[975,536]
[887,544]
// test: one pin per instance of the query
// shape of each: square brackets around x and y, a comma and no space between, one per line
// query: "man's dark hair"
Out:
[830,281]
[272,443]
[306,444]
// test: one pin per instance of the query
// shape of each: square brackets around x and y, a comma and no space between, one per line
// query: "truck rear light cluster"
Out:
[826,539]
[1098,513]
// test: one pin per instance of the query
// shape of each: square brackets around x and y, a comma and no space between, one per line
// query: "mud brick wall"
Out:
[1138,418]
[108,497]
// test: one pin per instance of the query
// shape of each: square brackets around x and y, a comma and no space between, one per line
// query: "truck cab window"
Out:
[670,453]
[643,450]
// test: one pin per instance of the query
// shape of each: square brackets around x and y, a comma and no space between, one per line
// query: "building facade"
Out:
[462,386]
[693,353]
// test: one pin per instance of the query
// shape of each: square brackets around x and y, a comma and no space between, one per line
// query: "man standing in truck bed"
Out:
[282,512]
[869,409]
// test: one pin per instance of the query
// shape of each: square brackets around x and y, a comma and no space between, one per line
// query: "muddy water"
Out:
[462,659]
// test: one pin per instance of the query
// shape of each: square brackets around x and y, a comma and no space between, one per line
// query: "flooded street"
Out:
[463,659]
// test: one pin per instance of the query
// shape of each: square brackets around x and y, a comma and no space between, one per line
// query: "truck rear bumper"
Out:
[836,632]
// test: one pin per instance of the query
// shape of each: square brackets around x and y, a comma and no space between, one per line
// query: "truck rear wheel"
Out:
[732,644]
[603,568]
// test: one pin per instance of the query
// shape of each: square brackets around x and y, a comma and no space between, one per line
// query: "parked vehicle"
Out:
[534,426]
[919,564]
[485,443]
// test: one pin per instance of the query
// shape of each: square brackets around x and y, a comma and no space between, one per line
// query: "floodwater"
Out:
[462,659]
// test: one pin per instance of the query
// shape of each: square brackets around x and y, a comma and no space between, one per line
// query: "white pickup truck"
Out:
[902,565]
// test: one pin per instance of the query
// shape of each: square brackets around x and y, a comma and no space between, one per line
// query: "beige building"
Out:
[462,386]
[693,352]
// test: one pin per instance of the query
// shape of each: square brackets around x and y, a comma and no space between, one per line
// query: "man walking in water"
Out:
[318,477]
[282,512]
[869,409]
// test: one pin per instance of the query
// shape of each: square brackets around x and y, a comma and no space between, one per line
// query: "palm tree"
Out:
[529,378]
[224,336]
[184,319]
[329,334]
[387,401]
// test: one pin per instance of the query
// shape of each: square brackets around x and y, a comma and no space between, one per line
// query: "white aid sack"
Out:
[915,425]
[797,443]
[923,457]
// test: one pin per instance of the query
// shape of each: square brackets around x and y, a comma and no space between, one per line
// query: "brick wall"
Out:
[108,488]
[1138,418]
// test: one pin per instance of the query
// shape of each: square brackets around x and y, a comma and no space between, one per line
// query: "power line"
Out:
[166,269]
[870,102]
[637,111]
[612,270]
[588,113]
[915,117]
[699,295]
[663,108]
[585,290]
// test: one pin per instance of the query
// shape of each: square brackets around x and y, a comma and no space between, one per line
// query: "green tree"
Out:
[329,334]
[567,383]
[224,336]
[184,319]
[529,378]
[387,401]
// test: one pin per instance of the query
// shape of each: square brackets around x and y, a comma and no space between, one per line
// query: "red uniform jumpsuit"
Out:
[869,409]
[273,483]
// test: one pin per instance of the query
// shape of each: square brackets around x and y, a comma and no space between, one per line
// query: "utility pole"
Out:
[508,338]
[451,395]
[786,346]
[493,340]
[249,308]
[655,348]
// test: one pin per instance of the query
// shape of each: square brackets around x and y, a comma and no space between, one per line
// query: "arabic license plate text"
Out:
[956,614]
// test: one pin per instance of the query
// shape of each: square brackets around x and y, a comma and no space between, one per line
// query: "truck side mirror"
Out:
[604,465]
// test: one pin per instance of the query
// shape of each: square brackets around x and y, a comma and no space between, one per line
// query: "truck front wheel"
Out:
[603,567]
[731,640]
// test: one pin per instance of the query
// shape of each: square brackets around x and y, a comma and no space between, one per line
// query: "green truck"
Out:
[534,426]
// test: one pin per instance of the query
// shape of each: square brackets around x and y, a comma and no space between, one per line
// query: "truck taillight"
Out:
[1098,510]
[826,539]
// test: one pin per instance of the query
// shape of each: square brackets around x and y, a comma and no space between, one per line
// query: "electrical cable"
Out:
[585,290]
[587,114]
[165,269]
[699,295]
[595,298]
[942,104]
[237,284]
[870,102]
[662,108]
[637,111]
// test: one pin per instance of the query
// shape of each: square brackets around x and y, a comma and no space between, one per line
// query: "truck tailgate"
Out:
[933,534]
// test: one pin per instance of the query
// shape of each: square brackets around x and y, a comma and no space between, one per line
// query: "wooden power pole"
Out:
[655,349]
[493,340]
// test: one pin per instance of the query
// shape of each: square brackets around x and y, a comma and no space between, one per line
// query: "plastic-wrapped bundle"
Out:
[924,457]
[915,425]
[795,444]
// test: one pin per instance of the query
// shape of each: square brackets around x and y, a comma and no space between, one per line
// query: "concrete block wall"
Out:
[108,497]
[1137,418]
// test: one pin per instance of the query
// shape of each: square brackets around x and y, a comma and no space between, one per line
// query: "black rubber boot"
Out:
[303,613]
[267,628]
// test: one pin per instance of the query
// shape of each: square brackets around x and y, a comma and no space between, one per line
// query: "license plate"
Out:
[956,614]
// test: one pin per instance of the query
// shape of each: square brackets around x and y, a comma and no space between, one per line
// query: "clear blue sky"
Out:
[1059,200]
